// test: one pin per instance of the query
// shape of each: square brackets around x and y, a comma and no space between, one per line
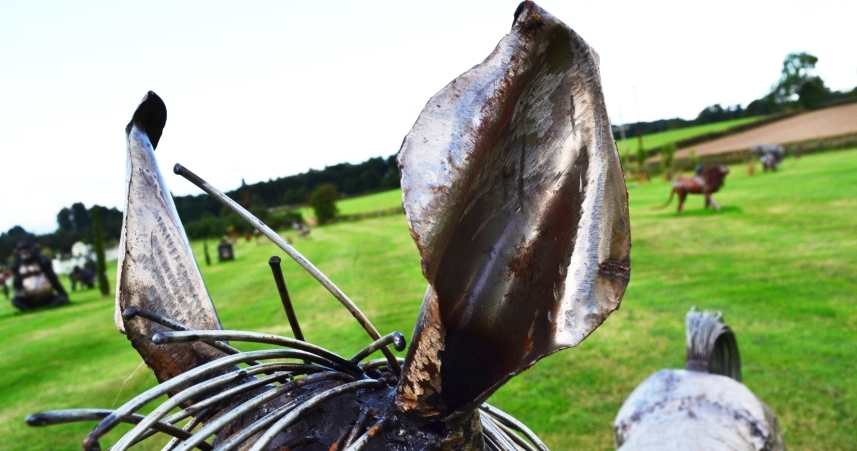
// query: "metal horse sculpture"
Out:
[708,182]
[514,196]
[703,407]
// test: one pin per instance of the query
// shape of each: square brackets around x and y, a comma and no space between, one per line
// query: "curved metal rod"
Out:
[295,414]
[377,363]
[369,435]
[523,444]
[497,436]
[79,415]
[395,337]
[358,426]
[161,411]
[214,426]
[275,377]
[193,423]
[291,252]
[133,312]
[256,337]
[108,423]
[516,425]
[238,439]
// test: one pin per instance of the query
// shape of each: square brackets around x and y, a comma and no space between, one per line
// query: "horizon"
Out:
[268,90]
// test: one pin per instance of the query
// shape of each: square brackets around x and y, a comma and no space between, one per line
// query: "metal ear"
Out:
[515,197]
[157,270]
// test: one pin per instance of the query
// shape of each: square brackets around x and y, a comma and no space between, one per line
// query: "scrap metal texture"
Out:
[157,270]
[515,198]
[679,410]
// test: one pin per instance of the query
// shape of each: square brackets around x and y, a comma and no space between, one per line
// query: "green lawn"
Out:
[363,204]
[780,261]
[654,140]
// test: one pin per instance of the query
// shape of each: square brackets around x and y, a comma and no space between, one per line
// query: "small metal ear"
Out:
[157,270]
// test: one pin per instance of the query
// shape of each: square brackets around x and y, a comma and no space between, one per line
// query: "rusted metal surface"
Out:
[515,197]
[157,270]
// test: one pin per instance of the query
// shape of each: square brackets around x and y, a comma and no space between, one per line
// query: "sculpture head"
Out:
[27,249]
[515,198]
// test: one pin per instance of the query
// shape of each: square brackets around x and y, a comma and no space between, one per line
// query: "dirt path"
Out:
[816,124]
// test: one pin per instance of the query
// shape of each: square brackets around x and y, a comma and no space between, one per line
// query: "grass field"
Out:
[670,136]
[780,261]
[363,204]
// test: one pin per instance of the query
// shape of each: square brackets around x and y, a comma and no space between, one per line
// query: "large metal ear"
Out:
[157,270]
[515,197]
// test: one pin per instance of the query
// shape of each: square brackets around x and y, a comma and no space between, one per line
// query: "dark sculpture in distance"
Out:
[36,285]
[516,200]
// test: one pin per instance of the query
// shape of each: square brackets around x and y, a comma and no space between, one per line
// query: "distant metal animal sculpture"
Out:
[771,155]
[707,182]
[514,195]
[704,407]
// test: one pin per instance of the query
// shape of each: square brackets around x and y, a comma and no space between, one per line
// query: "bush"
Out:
[323,202]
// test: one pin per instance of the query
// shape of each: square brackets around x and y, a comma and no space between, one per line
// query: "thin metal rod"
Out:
[396,338]
[161,411]
[249,431]
[291,252]
[523,444]
[255,337]
[133,312]
[358,426]
[377,363]
[284,297]
[275,377]
[497,436]
[193,423]
[108,423]
[79,415]
[216,425]
[369,435]
[295,414]
[516,425]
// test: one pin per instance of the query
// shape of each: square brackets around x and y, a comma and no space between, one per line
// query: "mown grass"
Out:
[371,202]
[654,140]
[780,261]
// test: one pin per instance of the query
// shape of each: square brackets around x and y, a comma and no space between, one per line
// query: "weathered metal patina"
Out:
[515,198]
[703,407]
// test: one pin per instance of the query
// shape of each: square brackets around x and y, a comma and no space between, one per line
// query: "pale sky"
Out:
[264,89]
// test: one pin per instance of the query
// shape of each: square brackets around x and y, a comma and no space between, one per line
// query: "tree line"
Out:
[798,87]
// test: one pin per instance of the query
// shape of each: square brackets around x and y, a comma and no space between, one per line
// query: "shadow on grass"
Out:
[697,212]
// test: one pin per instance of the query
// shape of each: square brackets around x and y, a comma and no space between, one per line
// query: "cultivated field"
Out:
[780,261]
[815,124]
[654,140]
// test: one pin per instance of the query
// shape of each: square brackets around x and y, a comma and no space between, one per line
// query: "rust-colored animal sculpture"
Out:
[708,182]
[705,407]
[515,198]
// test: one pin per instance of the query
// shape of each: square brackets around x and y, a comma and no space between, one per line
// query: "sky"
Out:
[265,89]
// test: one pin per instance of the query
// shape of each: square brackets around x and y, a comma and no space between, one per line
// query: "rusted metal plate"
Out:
[681,410]
[157,270]
[515,197]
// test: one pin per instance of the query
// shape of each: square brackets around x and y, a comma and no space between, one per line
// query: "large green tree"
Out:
[798,72]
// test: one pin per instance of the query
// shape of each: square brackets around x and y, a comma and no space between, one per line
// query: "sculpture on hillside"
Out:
[771,155]
[707,182]
[702,407]
[33,278]
[515,198]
